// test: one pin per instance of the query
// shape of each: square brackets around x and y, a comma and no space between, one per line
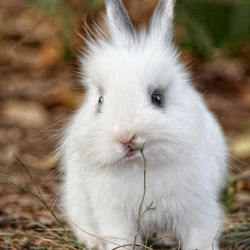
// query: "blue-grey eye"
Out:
[100,101]
[157,98]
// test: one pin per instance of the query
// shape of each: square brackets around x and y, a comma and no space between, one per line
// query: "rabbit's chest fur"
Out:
[167,192]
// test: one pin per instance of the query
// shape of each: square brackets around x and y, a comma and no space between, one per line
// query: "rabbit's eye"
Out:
[100,101]
[157,98]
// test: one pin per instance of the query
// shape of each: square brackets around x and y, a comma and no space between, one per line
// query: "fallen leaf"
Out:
[25,114]
[240,146]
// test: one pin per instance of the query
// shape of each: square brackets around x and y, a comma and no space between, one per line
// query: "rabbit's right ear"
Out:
[119,23]
[161,25]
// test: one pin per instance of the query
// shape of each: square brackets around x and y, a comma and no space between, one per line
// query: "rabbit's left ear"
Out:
[161,25]
[119,23]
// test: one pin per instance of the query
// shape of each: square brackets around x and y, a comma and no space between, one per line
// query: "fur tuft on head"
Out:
[126,47]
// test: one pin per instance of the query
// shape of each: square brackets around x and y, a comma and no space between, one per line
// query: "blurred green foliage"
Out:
[206,26]
[229,192]
[67,12]
[214,24]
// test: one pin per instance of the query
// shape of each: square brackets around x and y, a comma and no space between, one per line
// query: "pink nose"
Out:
[127,140]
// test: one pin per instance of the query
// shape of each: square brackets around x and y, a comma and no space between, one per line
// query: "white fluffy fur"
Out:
[184,147]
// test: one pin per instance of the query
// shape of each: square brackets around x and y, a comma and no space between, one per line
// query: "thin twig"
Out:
[143,198]
[136,245]
[39,196]
[30,175]
[35,196]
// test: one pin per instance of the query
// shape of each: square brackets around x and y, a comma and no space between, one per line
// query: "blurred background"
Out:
[39,90]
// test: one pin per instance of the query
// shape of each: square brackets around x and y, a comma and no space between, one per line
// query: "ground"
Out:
[39,91]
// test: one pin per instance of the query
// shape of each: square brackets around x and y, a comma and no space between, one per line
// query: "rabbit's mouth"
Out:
[131,152]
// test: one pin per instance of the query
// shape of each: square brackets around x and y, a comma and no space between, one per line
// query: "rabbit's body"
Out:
[147,103]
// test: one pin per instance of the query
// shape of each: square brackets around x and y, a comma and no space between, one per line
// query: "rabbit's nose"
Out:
[127,140]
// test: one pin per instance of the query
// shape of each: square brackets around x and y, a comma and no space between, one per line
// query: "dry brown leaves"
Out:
[38,93]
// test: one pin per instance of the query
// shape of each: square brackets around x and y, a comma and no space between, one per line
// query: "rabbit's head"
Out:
[138,93]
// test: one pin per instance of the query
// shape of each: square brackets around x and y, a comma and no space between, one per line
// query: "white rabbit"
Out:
[140,101]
